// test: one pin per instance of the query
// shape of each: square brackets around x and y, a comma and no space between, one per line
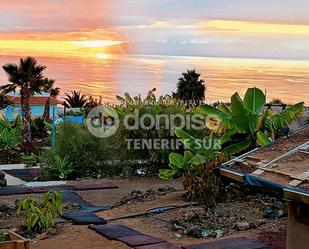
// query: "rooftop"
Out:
[282,168]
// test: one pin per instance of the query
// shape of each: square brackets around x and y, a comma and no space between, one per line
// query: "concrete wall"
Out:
[36,111]
[298,230]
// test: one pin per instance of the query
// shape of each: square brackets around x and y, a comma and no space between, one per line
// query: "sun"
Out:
[102,56]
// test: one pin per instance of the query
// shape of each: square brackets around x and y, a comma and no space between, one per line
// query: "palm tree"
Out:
[27,77]
[190,89]
[75,100]
[53,92]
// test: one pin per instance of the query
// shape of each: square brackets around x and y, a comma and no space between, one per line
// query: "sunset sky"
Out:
[231,28]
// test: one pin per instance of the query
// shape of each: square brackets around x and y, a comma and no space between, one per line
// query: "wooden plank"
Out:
[15,241]
[304,175]
[232,175]
[296,196]
[258,172]
[295,183]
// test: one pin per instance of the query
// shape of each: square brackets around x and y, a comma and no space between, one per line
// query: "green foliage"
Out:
[38,128]
[4,101]
[155,107]
[276,101]
[10,133]
[190,89]
[246,125]
[80,153]
[36,216]
[30,161]
[2,238]
[10,139]
[75,100]
[27,76]
[58,168]
[196,165]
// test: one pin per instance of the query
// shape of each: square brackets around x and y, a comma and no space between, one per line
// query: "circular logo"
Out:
[102,121]
[213,122]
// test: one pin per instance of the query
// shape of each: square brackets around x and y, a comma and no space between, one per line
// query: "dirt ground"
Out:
[70,236]
[282,145]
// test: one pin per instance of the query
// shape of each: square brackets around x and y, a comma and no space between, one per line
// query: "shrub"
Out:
[153,158]
[197,165]
[36,216]
[87,155]
[10,139]
[30,160]
[58,168]
[2,238]
[38,128]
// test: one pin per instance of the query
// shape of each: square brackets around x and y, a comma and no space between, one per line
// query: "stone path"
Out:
[137,240]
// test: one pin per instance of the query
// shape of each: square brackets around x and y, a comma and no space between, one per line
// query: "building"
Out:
[37,105]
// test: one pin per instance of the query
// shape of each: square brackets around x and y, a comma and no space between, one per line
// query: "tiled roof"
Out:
[35,100]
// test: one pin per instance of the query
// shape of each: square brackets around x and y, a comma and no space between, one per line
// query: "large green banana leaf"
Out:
[254,99]
[263,139]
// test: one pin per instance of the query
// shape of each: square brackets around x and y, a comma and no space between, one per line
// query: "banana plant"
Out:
[197,153]
[10,133]
[248,120]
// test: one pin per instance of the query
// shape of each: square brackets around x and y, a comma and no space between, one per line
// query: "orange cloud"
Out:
[255,27]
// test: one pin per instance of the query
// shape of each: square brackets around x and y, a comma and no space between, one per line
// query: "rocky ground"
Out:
[246,213]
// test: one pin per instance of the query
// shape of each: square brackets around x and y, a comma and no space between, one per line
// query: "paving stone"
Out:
[234,243]
[15,191]
[45,189]
[93,186]
[83,218]
[114,232]
[165,245]
[73,197]
[140,240]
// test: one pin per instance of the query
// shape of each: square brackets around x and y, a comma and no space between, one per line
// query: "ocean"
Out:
[107,75]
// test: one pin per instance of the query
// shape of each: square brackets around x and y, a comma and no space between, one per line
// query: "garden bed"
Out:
[282,145]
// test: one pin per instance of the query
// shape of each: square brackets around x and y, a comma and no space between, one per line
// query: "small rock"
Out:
[200,233]
[281,213]
[253,225]
[3,182]
[2,175]
[6,206]
[242,226]
[270,213]
[219,233]
[177,235]
[42,236]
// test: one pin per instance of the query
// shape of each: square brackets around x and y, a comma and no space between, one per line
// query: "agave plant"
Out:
[246,124]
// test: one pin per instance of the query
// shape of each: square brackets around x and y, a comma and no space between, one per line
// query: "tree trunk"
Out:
[46,110]
[26,129]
